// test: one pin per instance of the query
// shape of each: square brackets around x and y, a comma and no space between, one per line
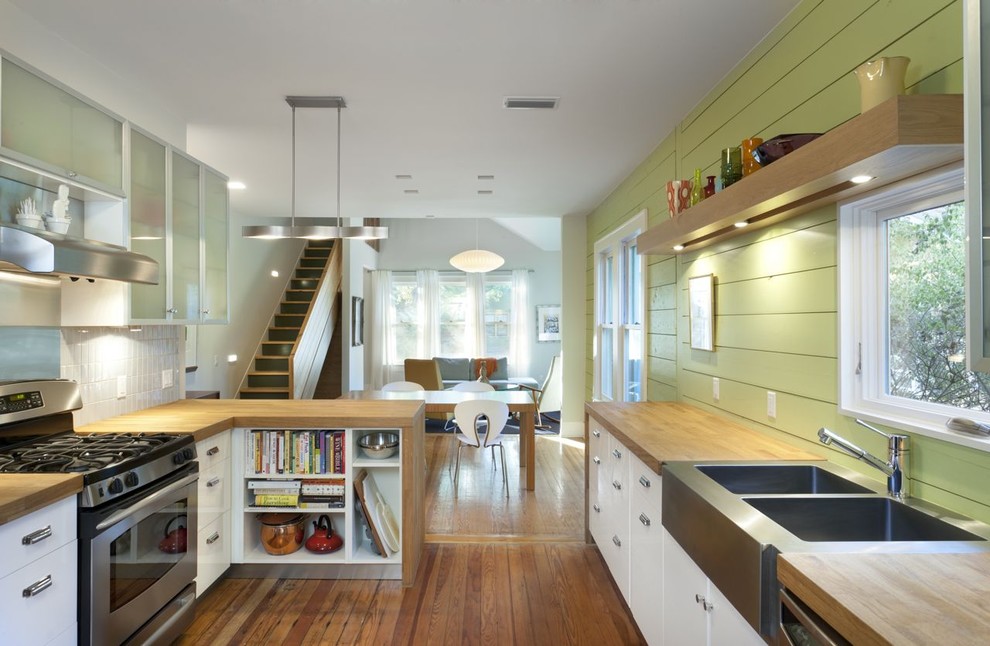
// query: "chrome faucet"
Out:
[897,457]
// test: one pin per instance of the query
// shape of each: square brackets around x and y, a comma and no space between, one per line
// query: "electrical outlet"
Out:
[715,388]
[121,387]
[771,404]
[166,378]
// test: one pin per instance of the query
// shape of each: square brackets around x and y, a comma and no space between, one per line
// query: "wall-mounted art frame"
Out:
[701,312]
[547,323]
[357,321]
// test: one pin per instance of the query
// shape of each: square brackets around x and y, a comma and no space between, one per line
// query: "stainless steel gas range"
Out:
[137,512]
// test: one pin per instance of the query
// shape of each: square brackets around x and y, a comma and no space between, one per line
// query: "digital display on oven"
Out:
[17,402]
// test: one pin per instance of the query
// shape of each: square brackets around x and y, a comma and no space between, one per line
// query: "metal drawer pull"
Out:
[708,606]
[617,485]
[617,453]
[643,519]
[37,536]
[596,433]
[596,508]
[213,451]
[596,460]
[213,539]
[618,543]
[699,598]
[37,587]
[643,480]
[214,481]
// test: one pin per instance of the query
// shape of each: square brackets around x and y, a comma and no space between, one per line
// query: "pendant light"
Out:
[477,261]
[313,232]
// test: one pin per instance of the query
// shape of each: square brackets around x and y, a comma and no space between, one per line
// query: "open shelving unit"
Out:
[902,137]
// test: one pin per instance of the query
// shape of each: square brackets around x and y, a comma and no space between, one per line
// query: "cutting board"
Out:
[365,488]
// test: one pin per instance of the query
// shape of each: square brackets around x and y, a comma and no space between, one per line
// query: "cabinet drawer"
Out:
[213,450]
[213,552]
[214,492]
[40,618]
[40,532]
[645,482]
[598,438]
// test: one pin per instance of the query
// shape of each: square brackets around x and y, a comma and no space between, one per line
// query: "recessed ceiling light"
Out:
[236,186]
[860,179]
[530,103]
[485,192]
[274,273]
[486,177]
[411,191]
[403,177]
[678,247]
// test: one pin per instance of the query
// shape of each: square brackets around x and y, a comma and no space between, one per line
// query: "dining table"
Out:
[444,401]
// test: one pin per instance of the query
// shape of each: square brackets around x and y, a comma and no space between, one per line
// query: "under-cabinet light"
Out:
[741,224]
[861,179]
[678,247]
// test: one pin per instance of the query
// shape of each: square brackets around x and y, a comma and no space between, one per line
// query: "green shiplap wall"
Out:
[776,304]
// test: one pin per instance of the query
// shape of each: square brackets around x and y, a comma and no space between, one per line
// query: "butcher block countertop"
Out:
[20,494]
[660,432]
[895,598]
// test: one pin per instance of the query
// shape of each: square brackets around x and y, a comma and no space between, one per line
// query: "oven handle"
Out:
[148,501]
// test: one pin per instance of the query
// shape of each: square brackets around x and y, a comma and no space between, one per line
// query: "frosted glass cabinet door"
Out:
[53,129]
[148,231]
[185,238]
[215,236]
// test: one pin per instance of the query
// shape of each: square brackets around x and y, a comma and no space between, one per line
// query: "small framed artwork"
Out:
[357,321]
[547,323]
[701,312]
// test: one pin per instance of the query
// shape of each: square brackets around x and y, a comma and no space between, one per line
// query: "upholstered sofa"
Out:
[454,370]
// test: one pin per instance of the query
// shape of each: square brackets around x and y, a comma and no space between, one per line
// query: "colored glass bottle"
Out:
[710,186]
[697,191]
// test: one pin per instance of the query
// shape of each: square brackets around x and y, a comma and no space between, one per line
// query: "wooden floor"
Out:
[500,567]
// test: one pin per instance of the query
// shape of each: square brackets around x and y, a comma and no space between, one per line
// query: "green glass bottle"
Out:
[697,189]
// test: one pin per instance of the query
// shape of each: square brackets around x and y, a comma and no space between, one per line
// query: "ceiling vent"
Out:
[530,103]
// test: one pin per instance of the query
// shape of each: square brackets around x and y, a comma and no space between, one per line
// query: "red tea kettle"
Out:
[175,539]
[323,539]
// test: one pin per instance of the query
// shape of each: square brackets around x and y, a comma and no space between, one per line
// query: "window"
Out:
[902,261]
[619,339]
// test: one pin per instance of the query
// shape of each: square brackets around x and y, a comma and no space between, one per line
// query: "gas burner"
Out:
[68,453]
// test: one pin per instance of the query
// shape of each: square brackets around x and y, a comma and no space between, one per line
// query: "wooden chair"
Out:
[426,372]
[469,415]
[549,392]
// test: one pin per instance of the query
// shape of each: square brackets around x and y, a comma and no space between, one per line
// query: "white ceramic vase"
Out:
[880,80]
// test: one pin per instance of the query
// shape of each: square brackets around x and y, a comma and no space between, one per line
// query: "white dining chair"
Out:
[473,387]
[401,386]
[469,415]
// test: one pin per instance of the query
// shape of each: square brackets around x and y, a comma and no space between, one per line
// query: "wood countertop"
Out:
[659,432]
[20,494]
[895,598]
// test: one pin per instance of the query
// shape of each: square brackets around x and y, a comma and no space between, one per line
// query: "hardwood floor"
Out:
[497,569]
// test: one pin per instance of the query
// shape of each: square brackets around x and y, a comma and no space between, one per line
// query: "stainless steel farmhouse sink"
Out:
[857,519]
[779,479]
[733,519]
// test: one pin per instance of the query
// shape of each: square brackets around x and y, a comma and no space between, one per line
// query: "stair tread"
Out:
[265,389]
[269,373]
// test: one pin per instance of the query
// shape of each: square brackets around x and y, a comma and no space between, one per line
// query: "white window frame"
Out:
[863,303]
[613,245]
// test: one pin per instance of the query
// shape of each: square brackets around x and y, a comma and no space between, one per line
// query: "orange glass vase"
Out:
[749,163]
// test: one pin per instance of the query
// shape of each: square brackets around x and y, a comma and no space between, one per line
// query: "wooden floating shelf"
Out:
[901,137]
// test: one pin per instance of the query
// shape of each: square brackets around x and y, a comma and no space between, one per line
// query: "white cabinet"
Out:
[695,612]
[38,576]
[624,521]
[213,510]
[359,557]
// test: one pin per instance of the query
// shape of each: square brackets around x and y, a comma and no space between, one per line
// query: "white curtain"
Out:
[428,311]
[474,332]
[382,351]
[521,325]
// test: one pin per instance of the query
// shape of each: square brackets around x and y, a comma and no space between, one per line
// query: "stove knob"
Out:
[188,454]
[116,486]
[178,458]
[131,479]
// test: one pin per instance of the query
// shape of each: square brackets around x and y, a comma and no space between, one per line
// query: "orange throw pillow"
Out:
[491,365]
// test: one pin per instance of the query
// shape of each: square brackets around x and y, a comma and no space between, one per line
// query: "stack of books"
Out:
[274,493]
[322,494]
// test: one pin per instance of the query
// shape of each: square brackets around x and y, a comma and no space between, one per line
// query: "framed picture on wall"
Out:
[701,312]
[547,323]
[357,321]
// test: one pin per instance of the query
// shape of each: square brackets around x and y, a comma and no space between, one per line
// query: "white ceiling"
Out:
[424,82]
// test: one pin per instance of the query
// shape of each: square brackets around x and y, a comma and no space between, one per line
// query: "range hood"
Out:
[44,252]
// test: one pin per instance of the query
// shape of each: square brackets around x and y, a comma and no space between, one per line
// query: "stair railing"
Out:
[310,349]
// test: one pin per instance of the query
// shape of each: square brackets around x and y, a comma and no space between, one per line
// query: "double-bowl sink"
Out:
[734,519]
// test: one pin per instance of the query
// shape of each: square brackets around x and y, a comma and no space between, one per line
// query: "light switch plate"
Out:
[166,378]
[121,386]
[715,385]
[771,404]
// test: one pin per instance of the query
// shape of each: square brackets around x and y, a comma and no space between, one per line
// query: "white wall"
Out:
[429,243]
[135,99]
[359,258]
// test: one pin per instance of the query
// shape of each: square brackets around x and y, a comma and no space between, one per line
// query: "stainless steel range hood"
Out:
[44,252]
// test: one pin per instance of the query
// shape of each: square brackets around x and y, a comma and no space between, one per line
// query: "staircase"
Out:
[274,370]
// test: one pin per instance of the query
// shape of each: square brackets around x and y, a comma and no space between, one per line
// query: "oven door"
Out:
[137,555]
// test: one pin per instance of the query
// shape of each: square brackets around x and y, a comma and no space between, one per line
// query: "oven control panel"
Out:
[17,402]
